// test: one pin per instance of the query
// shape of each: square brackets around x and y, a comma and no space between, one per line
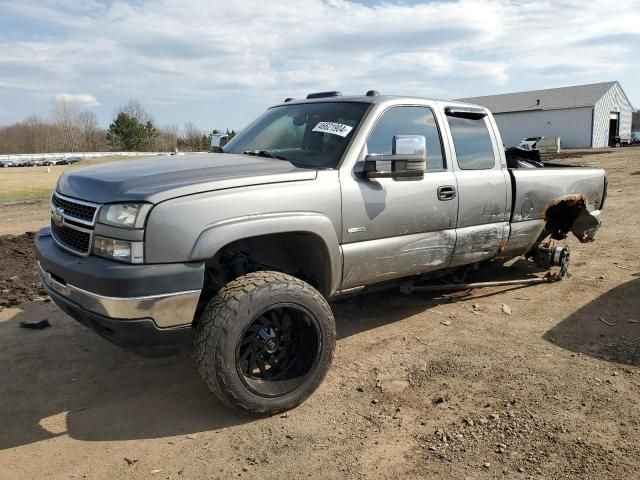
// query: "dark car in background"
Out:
[60,161]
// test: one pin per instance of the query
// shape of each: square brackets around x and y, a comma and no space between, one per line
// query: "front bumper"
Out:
[135,306]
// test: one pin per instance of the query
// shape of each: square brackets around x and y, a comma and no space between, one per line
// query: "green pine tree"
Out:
[128,134]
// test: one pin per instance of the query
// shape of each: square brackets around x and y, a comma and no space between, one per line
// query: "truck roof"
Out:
[372,99]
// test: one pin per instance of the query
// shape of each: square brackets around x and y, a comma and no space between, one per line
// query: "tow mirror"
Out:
[408,159]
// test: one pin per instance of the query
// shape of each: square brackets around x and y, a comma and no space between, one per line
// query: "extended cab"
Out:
[242,249]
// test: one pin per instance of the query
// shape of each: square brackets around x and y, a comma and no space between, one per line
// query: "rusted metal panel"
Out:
[570,213]
[586,225]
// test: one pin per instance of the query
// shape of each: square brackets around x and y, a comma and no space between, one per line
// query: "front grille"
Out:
[72,223]
[76,240]
[73,209]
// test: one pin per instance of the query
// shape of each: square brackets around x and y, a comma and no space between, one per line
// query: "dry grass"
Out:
[30,183]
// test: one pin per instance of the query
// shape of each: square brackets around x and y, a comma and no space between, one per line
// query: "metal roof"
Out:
[550,99]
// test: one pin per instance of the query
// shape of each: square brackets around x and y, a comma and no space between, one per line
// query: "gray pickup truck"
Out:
[239,252]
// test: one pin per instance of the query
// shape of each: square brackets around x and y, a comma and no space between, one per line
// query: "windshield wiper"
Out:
[264,153]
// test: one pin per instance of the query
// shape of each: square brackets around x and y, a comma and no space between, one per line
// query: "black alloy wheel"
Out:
[278,350]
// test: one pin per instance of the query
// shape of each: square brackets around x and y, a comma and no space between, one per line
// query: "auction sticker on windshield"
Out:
[333,128]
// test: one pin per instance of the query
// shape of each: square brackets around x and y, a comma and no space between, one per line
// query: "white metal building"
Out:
[582,116]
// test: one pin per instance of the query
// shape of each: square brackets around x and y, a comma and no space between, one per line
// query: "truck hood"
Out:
[161,178]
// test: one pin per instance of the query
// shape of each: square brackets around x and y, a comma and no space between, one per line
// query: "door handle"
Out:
[446,192]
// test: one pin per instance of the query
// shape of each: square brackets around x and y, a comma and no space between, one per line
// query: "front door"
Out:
[397,227]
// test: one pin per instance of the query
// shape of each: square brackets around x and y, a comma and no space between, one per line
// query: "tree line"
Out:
[68,129]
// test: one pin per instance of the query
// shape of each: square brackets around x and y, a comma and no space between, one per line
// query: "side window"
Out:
[472,142]
[408,121]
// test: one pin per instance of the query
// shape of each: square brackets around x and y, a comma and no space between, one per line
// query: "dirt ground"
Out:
[19,281]
[422,386]
[17,218]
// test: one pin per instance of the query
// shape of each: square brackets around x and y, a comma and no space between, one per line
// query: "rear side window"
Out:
[408,121]
[472,142]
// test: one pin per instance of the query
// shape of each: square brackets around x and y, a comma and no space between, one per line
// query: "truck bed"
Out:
[533,189]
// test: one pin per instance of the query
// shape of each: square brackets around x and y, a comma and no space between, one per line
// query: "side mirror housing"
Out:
[408,159]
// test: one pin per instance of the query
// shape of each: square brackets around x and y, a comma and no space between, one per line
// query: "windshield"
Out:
[312,135]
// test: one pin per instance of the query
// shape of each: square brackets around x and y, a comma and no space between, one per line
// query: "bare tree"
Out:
[135,109]
[167,139]
[191,138]
[91,134]
[33,132]
[65,117]
[32,135]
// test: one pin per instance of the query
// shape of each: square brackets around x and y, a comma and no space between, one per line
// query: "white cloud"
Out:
[83,99]
[170,51]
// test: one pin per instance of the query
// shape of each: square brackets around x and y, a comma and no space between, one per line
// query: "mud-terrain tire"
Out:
[261,315]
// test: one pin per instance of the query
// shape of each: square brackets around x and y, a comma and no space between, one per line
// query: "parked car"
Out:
[635,138]
[318,198]
[529,143]
[26,163]
[60,161]
[618,141]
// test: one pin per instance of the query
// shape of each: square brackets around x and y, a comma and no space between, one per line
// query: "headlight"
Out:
[123,250]
[124,215]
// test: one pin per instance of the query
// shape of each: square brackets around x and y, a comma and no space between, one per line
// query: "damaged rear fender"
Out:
[571,213]
[586,225]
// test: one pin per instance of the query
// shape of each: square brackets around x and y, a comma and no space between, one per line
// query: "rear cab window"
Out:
[472,143]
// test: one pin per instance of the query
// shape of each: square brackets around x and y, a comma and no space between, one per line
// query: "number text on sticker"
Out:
[333,128]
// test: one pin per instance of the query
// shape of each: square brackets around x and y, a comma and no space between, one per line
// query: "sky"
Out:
[220,64]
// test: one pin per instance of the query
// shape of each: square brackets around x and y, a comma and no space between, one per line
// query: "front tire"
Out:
[265,342]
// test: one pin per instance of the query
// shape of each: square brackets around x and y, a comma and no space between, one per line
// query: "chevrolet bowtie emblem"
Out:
[56,215]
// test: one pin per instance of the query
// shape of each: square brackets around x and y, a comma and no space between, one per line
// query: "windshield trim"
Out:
[355,135]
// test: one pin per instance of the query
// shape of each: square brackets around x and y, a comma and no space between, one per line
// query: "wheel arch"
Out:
[292,243]
[571,213]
